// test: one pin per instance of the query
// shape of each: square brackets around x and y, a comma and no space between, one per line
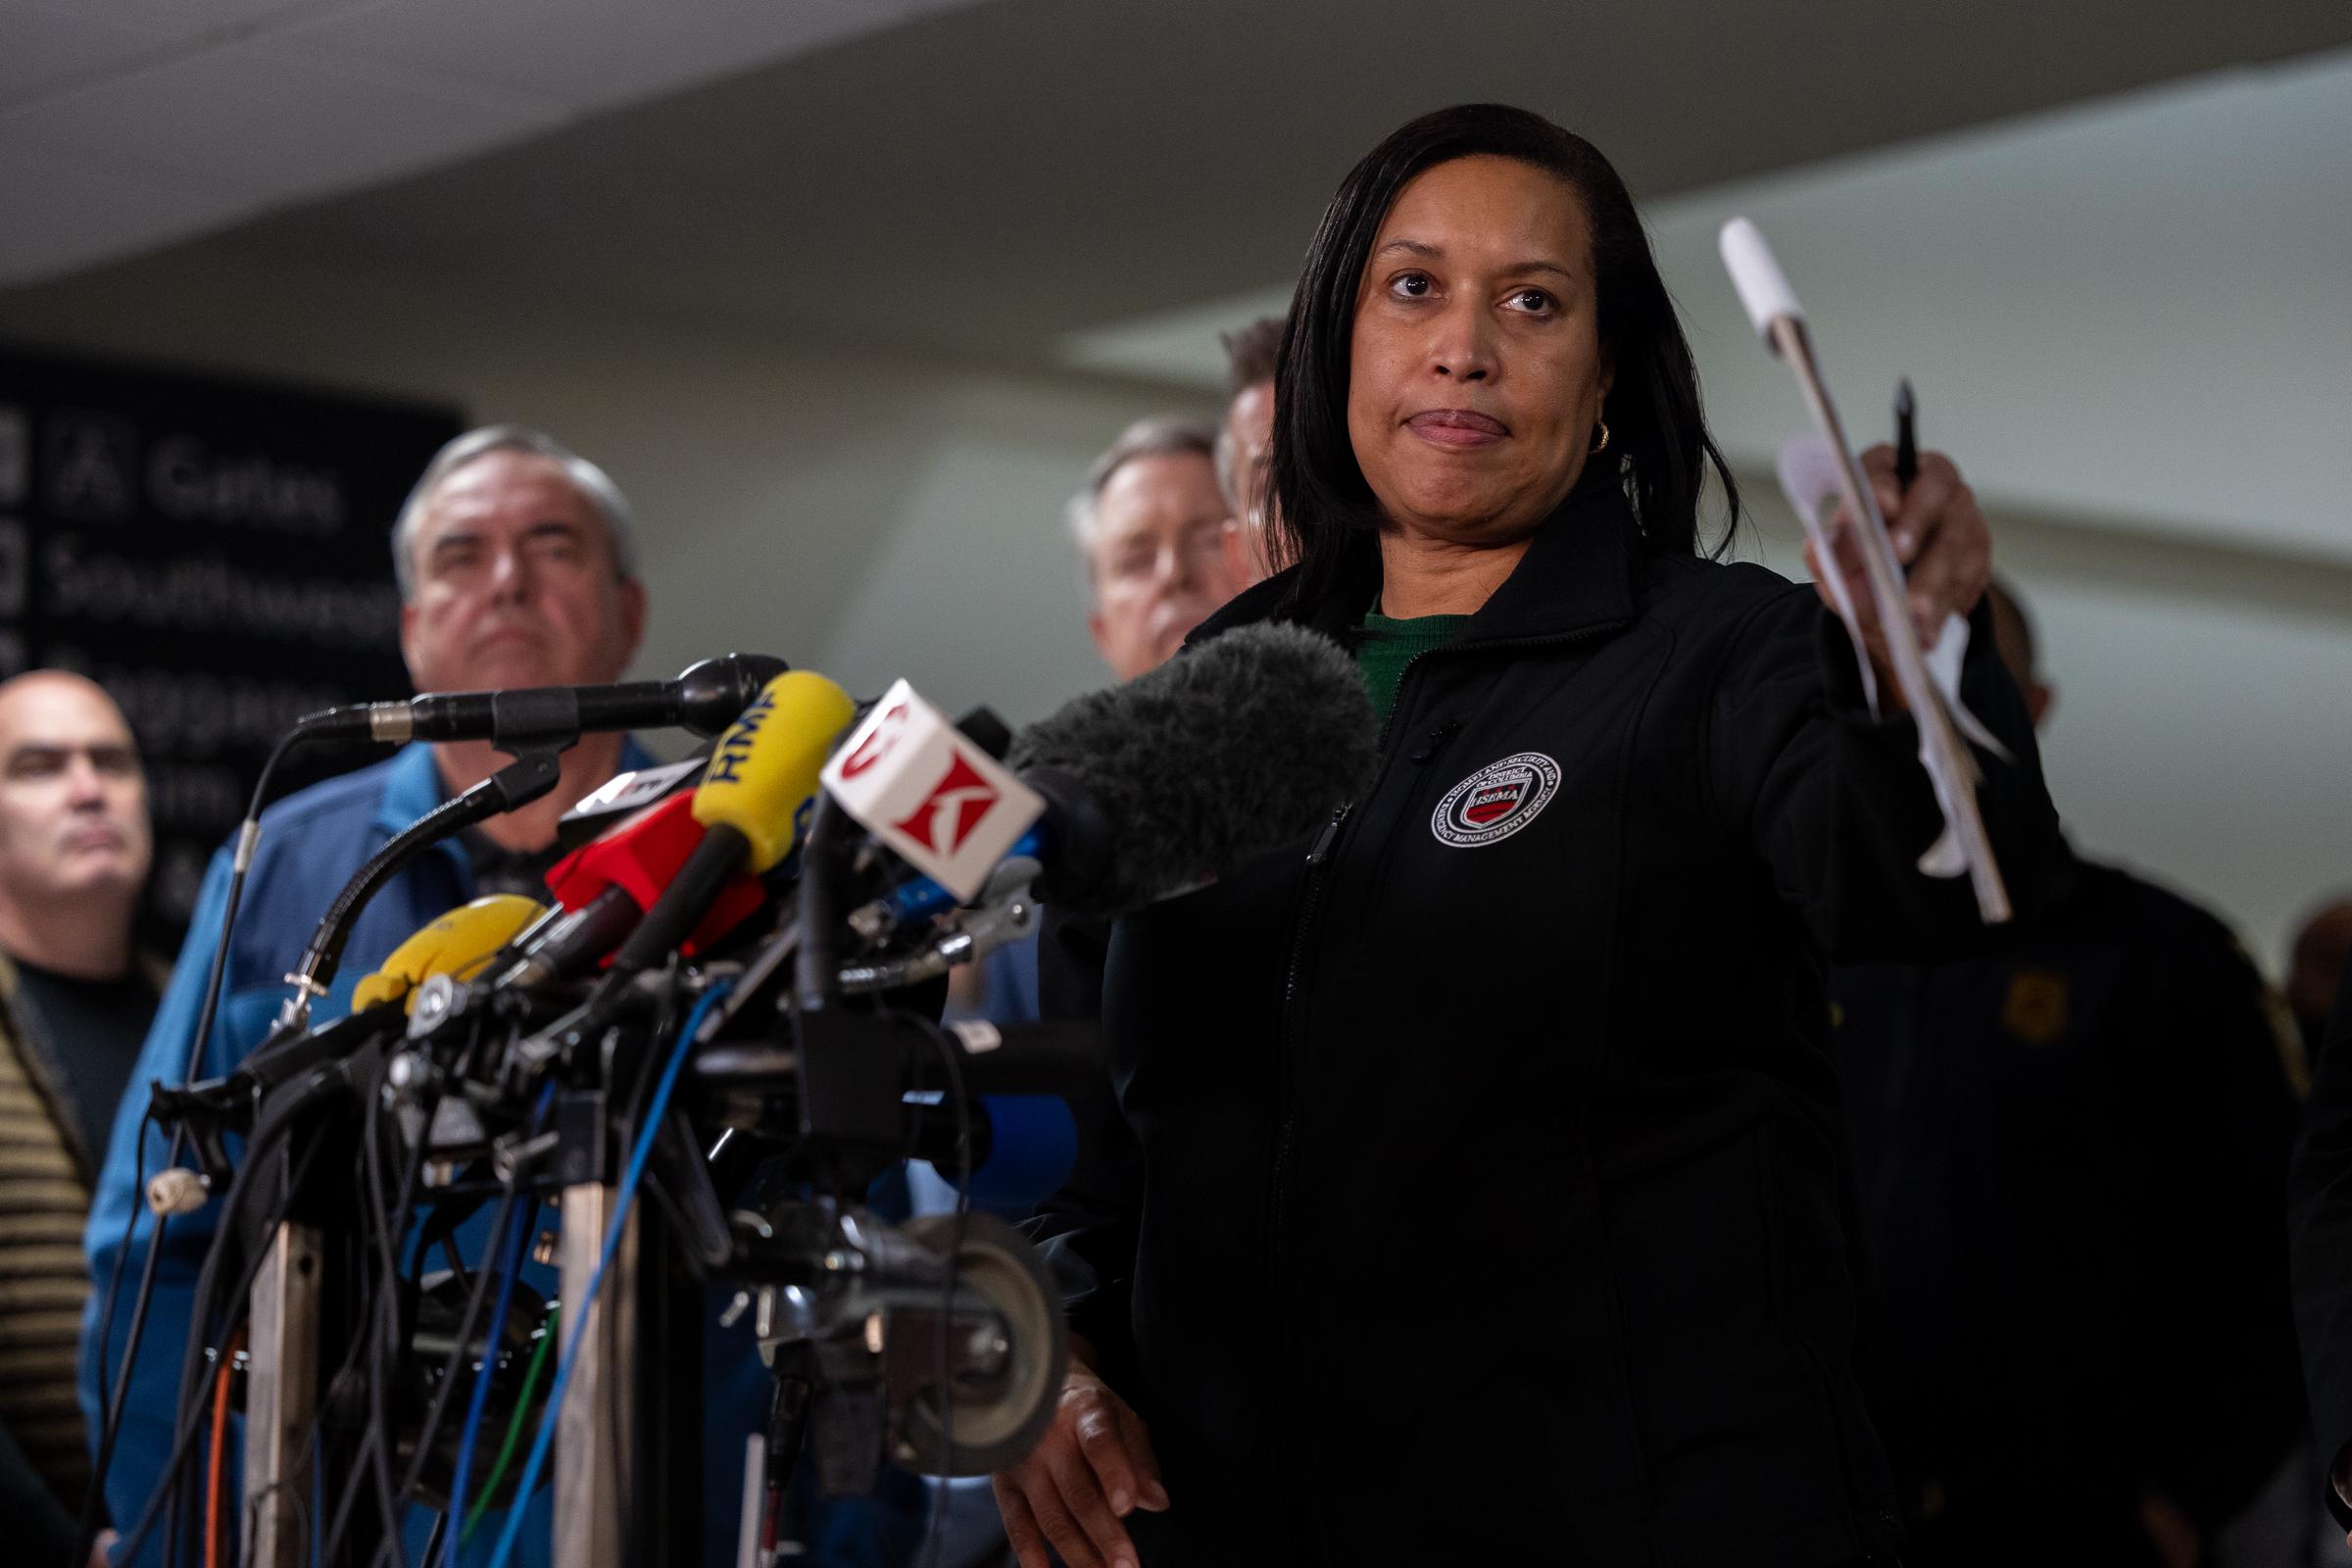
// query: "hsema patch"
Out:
[1496,801]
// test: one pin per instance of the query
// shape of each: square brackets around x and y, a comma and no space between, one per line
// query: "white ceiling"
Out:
[1077,161]
[128,124]
[2138,312]
[2027,209]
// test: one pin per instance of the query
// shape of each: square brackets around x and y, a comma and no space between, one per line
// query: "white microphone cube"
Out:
[929,793]
[1763,287]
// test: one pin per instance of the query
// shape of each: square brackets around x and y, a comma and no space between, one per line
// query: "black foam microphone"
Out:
[704,697]
[1225,753]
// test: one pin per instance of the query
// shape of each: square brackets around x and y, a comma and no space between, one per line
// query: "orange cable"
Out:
[213,1473]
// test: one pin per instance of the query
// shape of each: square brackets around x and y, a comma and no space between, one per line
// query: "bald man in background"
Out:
[76,998]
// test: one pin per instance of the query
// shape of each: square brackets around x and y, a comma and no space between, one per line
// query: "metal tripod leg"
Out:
[281,1395]
[596,1432]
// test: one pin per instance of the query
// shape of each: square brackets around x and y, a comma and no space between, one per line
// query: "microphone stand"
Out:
[535,770]
[285,1343]
[286,1299]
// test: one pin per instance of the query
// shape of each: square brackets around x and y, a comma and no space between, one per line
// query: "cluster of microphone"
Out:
[1121,797]
[752,930]
[1145,790]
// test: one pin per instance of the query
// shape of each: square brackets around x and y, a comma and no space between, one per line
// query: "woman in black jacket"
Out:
[1474,1184]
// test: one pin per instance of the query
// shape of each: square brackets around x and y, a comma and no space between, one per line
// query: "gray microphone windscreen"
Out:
[1227,751]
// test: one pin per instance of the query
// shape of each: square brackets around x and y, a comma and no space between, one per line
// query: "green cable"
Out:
[522,1405]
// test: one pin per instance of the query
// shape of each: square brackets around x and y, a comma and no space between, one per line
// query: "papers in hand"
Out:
[1811,478]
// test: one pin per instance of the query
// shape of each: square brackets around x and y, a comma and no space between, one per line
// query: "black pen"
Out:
[1906,437]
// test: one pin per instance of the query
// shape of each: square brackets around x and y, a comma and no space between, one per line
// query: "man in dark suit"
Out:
[2070,1154]
[2320,1222]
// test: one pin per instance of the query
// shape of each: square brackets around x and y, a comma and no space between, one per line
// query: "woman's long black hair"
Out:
[1326,519]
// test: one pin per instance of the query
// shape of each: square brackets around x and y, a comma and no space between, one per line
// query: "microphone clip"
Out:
[535,721]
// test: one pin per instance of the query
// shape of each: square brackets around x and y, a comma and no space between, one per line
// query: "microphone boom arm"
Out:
[532,774]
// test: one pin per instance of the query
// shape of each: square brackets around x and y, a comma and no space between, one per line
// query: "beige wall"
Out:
[872,516]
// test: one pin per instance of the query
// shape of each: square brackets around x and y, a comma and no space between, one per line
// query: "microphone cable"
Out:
[191,1423]
[249,833]
[237,1305]
[184,1511]
[479,1399]
[510,1203]
[218,1445]
[113,1284]
[378,1318]
[344,1371]
[479,1403]
[639,1153]
[381,1335]
[478,1295]
[549,1326]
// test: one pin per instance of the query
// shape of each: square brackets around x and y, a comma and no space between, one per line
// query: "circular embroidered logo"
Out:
[1496,801]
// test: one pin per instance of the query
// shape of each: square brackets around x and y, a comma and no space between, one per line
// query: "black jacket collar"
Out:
[1578,577]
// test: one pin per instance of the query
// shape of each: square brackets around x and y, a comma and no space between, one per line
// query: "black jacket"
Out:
[2072,1158]
[1475,1174]
[2320,1227]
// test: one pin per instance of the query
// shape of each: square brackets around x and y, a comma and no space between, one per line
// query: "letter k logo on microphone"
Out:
[941,803]
[953,808]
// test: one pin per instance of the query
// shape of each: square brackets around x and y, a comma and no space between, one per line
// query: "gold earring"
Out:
[1602,444]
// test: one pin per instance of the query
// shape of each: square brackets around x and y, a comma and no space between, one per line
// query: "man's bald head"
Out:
[73,798]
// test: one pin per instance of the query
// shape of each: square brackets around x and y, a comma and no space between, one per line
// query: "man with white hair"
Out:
[1158,550]
[1156,543]
[517,568]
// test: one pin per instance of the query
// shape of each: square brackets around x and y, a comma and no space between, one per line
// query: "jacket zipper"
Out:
[1316,858]
[1328,841]
[1293,1066]
[1326,844]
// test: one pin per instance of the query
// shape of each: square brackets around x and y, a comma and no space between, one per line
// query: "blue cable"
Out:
[656,1109]
[480,1401]
[480,1397]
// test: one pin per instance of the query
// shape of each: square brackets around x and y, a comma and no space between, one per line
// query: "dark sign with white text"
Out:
[213,553]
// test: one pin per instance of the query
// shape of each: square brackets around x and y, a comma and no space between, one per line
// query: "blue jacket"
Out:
[311,843]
